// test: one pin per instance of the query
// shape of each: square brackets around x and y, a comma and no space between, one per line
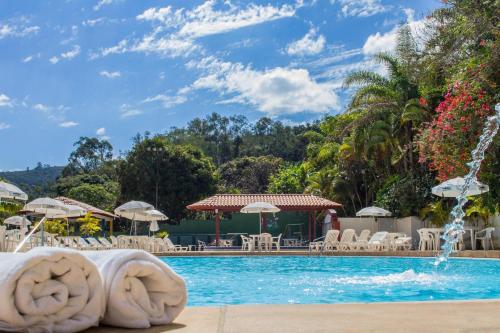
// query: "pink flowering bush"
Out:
[445,143]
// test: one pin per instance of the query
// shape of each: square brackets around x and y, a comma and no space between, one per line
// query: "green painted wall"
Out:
[244,223]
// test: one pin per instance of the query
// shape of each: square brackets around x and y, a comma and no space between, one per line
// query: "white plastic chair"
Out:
[378,242]
[329,243]
[426,241]
[265,242]
[247,243]
[276,241]
[486,238]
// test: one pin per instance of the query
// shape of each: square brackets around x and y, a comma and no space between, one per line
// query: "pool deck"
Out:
[411,317]
[495,254]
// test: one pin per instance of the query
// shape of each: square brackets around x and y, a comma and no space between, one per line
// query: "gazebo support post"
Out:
[314,224]
[217,227]
[309,224]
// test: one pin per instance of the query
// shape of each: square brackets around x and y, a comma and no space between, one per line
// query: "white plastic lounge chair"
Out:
[426,240]
[82,244]
[99,245]
[329,243]
[361,242]
[104,241]
[378,241]
[265,242]
[402,242]
[486,238]
[346,240]
[115,242]
[172,247]
[276,241]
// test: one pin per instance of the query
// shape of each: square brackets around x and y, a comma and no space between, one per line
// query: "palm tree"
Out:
[389,102]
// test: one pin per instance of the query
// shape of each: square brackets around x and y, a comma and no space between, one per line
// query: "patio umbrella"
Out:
[135,211]
[259,207]
[373,212]
[9,191]
[452,188]
[155,216]
[49,208]
[19,221]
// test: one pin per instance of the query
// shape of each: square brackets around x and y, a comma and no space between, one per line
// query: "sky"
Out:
[115,68]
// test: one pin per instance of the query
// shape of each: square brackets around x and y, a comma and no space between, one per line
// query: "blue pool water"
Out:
[288,279]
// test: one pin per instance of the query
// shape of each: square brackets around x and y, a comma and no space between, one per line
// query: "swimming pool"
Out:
[300,279]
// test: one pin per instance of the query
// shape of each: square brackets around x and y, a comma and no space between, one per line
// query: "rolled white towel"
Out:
[49,290]
[141,290]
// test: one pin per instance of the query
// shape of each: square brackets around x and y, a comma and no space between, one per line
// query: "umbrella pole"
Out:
[260,222]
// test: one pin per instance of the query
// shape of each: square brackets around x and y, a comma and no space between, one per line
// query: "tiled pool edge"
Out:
[493,254]
[409,317]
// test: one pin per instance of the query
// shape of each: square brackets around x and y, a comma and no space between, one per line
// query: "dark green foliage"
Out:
[247,174]
[36,182]
[181,174]
[225,138]
[406,195]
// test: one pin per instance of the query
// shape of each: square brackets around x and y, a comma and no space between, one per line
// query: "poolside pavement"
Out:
[408,317]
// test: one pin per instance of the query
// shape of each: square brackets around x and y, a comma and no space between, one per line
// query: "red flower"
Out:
[422,101]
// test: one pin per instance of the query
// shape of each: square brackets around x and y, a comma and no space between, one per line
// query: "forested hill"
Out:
[37,181]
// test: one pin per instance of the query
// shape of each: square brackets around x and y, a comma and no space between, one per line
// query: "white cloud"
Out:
[361,8]
[31,57]
[5,101]
[67,124]
[101,131]
[273,91]
[127,111]
[41,107]
[308,45]
[4,126]
[386,42]
[102,3]
[72,53]
[110,75]
[75,51]
[93,22]
[53,113]
[175,31]
[17,30]
[167,101]
[380,42]
[204,20]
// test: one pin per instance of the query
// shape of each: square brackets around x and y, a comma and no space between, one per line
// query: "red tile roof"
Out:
[285,202]
[87,207]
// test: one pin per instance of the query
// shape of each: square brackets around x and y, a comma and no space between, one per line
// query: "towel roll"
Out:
[140,289]
[49,290]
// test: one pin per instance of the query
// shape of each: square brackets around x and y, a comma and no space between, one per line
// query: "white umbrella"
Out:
[135,211]
[373,212]
[153,226]
[260,207]
[49,208]
[19,221]
[155,216]
[452,188]
[9,191]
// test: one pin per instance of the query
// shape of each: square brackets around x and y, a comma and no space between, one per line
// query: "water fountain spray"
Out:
[455,228]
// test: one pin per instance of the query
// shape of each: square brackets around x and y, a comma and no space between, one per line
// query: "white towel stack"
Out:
[49,290]
[141,290]
[59,290]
